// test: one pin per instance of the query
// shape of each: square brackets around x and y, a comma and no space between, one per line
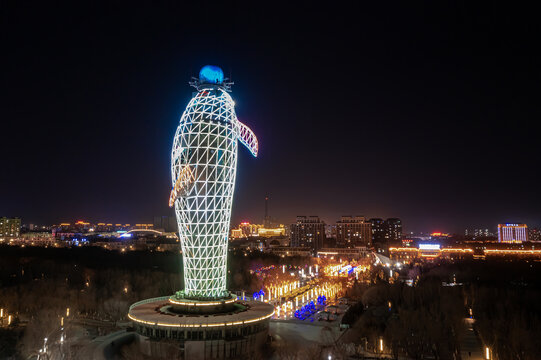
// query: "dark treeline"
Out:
[29,263]
[427,320]
[11,257]
[37,285]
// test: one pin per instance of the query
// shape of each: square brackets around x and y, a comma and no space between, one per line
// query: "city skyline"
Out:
[404,117]
[256,219]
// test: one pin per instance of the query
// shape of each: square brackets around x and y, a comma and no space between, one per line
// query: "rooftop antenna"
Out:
[266,220]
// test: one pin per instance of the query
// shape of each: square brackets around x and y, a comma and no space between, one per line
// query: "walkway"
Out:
[470,346]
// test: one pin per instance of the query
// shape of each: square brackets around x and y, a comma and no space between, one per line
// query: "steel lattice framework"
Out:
[203,166]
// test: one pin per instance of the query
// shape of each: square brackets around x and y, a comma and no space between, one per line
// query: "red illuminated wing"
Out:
[247,137]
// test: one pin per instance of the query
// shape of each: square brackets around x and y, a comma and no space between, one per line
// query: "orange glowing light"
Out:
[185,178]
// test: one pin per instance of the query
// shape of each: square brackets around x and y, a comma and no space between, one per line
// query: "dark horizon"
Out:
[425,113]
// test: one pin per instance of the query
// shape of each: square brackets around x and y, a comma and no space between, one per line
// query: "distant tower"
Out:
[266,220]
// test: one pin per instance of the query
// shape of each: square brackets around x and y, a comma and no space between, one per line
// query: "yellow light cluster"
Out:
[432,254]
[456,250]
[202,303]
[185,178]
[9,317]
[334,270]
[403,249]
[284,288]
[512,252]
[327,289]
[133,318]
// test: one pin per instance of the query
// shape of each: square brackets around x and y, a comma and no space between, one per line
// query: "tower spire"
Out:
[266,220]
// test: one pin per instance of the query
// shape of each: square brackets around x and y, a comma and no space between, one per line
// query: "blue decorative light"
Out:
[211,74]
[322,300]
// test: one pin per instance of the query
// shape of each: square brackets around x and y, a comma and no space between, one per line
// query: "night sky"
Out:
[424,112]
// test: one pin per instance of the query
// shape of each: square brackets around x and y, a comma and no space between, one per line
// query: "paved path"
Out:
[299,333]
[470,345]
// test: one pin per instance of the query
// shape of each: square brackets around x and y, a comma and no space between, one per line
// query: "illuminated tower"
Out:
[204,320]
[203,169]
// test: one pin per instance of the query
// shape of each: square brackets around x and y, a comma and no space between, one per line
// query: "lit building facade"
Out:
[285,251]
[353,231]
[246,229]
[393,228]
[478,233]
[344,253]
[271,232]
[534,234]
[308,231]
[386,232]
[429,252]
[236,234]
[378,230]
[10,227]
[512,233]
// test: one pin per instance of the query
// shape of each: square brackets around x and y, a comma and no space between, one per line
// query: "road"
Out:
[470,345]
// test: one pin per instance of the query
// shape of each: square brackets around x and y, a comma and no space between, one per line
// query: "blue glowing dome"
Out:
[211,74]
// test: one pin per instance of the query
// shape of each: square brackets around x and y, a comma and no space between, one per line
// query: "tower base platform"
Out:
[231,330]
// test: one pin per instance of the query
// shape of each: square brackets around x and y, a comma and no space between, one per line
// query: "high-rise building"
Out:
[165,223]
[512,233]
[353,231]
[308,231]
[378,230]
[393,230]
[478,233]
[386,232]
[10,227]
[534,234]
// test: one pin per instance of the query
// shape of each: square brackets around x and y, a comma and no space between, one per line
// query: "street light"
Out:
[381,344]
[487,353]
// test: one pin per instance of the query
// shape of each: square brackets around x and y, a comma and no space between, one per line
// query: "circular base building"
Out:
[223,329]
